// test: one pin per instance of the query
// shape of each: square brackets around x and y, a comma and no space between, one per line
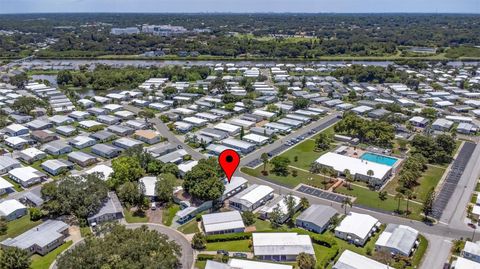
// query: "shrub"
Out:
[228,237]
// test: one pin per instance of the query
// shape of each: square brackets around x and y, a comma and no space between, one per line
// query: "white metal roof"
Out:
[7,207]
[222,221]
[281,244]
[101,168]
[359,225]
[356,166]
[352,260]
[462,263]
[149,183]
[247,264]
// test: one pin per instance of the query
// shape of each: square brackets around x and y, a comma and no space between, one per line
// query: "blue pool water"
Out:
[372,157]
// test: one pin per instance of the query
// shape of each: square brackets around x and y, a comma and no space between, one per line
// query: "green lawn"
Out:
[237,245]
[133,217]
[19,226]
[288,181]
[262,225]
[44,262]
[169,213]
[305,154]
[369,198]
[429,179]
[190,227]
[477,188]
[200,264]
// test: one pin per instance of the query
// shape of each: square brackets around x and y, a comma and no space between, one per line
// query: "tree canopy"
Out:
[80,196]
[204,180]
[376,132]
[123,248]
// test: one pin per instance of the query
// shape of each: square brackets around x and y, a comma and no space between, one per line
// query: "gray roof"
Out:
[401,237]
[111,206]
[105,148]
[55,146]
[55,164]
[41,235]
[80,156]
[319,215]
[102,135]
[6,161]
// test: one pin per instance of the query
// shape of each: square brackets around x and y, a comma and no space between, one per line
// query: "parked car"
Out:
[240,255]
[154,206]
[223,252]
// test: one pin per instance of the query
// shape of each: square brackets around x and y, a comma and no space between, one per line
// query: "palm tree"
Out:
[370,174]
[348,177]
[399,197]
[409,195]
[345,203]
[264,158]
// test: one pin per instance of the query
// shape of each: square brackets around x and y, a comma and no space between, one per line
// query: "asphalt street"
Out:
[188,256]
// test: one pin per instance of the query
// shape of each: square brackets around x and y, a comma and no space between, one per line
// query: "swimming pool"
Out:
[377,158]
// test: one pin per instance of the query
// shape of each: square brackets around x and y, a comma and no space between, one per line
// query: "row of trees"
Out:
[374,132]
[104,77]
[438,150]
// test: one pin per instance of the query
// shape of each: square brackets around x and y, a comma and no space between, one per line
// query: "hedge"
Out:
[204,257]
[323,240]
[228,237]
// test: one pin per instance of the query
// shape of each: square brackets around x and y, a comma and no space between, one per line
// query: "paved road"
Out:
[455,211]
[437,252]
[188,256]
[165,132]
[323,122]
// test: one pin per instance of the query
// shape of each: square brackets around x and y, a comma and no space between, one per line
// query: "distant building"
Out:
[124,31]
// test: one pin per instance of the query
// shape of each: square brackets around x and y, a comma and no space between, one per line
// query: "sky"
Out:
[240,6]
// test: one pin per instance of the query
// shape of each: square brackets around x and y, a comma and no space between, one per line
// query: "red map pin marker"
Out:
[229,160]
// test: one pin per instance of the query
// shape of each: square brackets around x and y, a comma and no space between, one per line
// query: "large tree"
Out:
[25,104]
[123,248]
[80,196]
[204,180]
[164,187]
[14,258]
[125,169]
[280,165]
[130,193]
[305,261]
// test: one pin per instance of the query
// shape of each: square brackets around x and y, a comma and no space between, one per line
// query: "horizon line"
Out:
[247,13]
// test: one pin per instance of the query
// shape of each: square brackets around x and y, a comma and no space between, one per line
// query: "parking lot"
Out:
[452,179]
[321,194]
[293,141]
